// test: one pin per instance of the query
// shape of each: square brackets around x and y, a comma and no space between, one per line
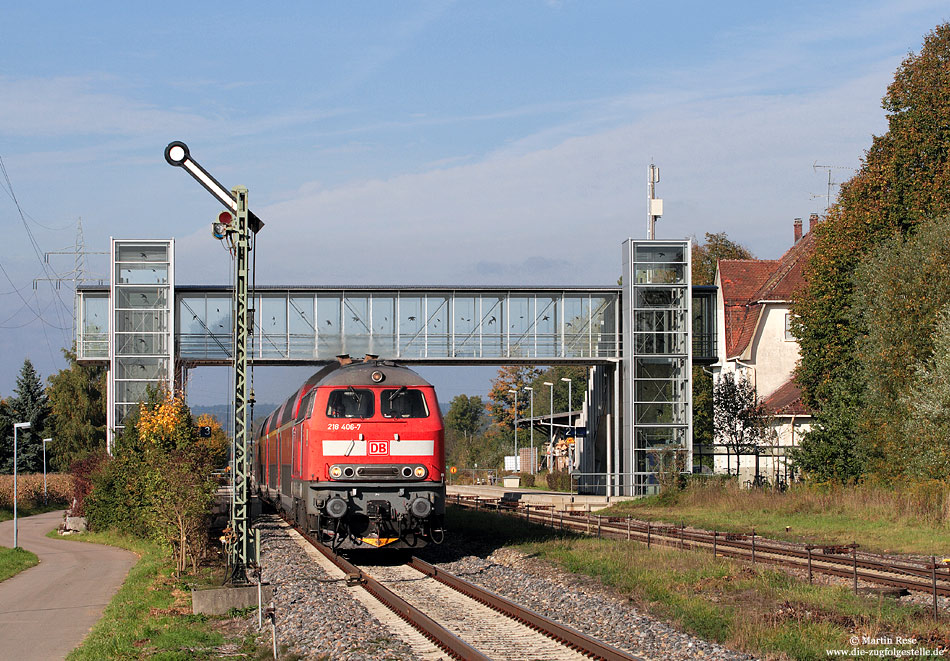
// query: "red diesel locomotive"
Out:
[357,456]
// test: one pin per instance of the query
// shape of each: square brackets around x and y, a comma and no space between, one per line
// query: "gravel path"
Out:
[318,617]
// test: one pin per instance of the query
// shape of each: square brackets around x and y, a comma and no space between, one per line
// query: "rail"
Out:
[444,638]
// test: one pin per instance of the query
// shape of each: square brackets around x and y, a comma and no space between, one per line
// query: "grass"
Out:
[753,609]
[13,561]
[912,520]
[150,616]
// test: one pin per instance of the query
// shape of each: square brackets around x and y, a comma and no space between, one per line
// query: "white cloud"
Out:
[557,215]
[71,106]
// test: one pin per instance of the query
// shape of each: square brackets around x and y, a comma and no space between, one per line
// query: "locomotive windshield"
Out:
[350,403]
[403,403]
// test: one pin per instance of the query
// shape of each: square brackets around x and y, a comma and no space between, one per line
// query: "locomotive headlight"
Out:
[420,508]
[336,507]
[421,472]
[336,472]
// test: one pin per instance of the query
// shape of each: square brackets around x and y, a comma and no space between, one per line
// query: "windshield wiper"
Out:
[397,393]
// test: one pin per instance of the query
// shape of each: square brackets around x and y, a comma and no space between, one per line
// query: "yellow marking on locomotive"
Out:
[379,541]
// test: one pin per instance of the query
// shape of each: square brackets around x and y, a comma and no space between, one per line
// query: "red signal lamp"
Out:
[225,217]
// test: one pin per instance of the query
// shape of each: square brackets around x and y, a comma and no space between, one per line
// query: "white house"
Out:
[753,309]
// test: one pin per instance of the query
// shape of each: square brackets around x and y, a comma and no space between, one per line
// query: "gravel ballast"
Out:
[317,617]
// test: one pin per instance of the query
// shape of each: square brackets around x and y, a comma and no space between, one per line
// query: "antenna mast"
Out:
[654,205]
[831,182]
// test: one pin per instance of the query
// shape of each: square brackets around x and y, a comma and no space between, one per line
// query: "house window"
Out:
[789,337]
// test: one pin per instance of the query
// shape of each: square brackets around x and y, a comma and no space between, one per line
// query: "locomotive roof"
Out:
[361,374]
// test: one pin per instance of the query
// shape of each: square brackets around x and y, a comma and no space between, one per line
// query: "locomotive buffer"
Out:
[238,223]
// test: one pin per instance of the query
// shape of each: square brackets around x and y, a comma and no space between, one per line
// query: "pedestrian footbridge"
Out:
[644,336]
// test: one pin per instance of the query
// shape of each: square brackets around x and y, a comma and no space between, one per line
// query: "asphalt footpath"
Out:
[47,610]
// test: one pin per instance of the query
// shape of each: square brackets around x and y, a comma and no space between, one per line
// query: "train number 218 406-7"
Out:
[346,426]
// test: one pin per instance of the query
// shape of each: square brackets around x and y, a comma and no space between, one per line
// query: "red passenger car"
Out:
[357,456]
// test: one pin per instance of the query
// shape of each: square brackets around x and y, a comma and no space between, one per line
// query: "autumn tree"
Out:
[903,181]
[501,403]
[77,396]
[217,445]
[705,256]
[159,482]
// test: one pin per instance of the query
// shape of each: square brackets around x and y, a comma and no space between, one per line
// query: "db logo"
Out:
[379,447]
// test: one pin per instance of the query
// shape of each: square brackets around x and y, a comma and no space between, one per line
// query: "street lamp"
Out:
[550,424]
[531,459]
[16,426]
[570,402]
[45,441]
[516,427]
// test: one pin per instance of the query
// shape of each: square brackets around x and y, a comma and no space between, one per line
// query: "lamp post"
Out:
[550,424]
[16,426]
[531,459]
[516,427]
[45,441]
[570,402]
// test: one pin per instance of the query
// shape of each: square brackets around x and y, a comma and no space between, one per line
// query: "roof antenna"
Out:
[654,204]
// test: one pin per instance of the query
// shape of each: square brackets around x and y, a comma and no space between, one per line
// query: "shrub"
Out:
[527,480]
[559,481]
[82,472]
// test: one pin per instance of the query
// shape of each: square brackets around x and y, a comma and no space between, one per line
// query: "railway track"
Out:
[845,561]
[465,620]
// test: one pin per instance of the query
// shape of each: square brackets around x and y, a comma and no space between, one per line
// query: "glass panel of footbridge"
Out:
[329,326]
[577,326]
[466,339]
[271,326]
[301,327]
[605,341]
[521,339]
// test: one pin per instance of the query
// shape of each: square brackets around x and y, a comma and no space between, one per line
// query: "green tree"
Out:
[926,453]
[899,292]
[739,416]
[466,415]
[542,393]
[903,180]
[29,404]
[77,396]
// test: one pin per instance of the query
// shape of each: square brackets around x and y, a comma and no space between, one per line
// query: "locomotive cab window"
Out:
[403,403]
[306,406]
[350,403]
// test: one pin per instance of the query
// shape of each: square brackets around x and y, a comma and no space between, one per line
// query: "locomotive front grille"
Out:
[377,471]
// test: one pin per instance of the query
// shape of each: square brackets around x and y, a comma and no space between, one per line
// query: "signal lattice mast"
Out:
[237,223]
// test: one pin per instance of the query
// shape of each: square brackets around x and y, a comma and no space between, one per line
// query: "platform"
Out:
[562,502]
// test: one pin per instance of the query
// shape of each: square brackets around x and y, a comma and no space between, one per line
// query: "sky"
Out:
[469,143]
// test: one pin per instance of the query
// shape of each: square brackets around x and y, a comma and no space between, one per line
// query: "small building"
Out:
[753,309]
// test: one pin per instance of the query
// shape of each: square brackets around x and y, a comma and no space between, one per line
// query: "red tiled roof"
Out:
[745,282]
[787,400]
